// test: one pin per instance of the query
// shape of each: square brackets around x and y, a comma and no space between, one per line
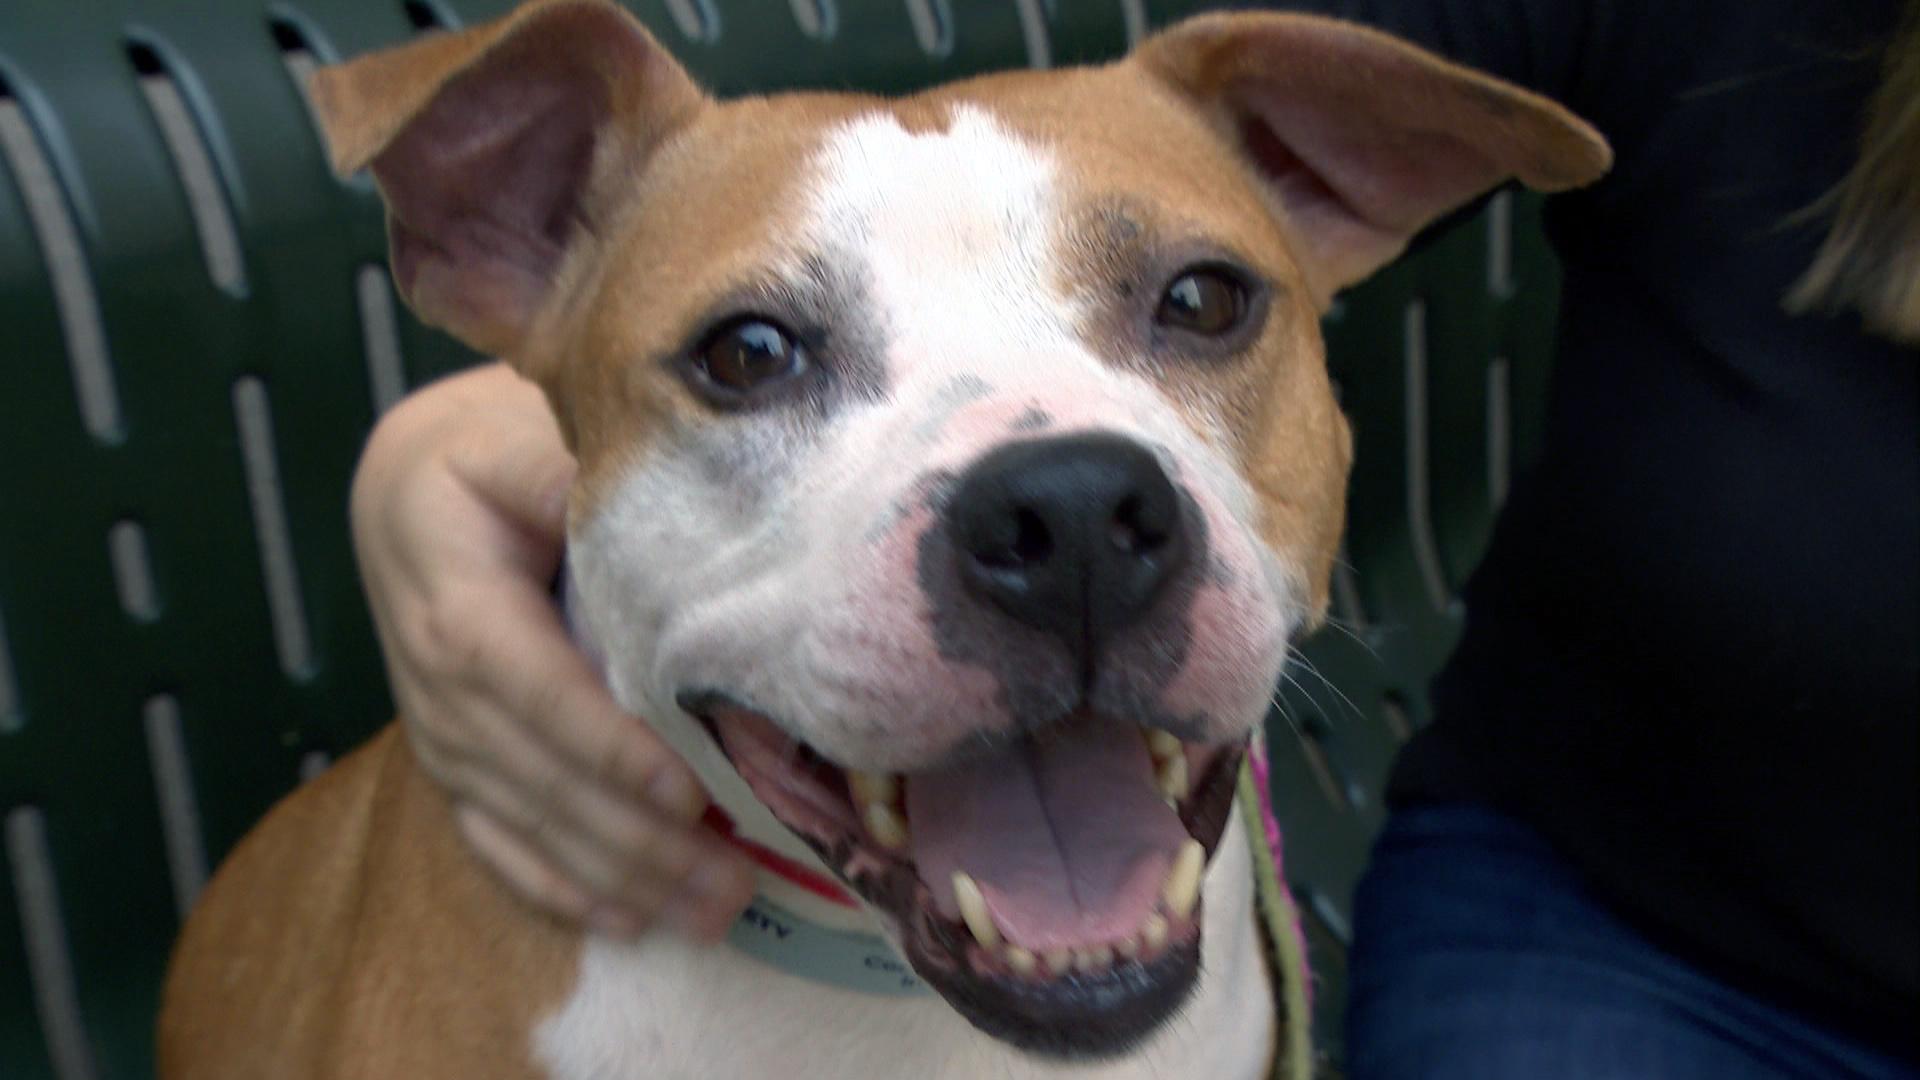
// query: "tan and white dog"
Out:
[954,474]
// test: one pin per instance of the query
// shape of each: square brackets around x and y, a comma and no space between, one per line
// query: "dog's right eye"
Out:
[746,354]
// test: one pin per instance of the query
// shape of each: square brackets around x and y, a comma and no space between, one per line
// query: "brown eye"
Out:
[749,353]
[1204,300]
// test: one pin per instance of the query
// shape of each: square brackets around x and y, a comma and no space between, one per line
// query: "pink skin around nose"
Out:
[903,703]
[914,700]
[1236,632]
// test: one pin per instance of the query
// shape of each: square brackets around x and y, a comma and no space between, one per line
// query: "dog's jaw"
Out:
[794,560]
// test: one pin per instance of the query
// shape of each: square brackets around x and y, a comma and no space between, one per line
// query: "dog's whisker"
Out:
[1308,664]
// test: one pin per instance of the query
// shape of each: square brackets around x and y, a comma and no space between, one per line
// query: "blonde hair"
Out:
[1870,262]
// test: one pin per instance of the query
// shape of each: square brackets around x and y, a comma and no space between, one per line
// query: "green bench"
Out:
[196,332]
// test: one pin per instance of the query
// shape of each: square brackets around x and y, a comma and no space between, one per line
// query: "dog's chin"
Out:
[1082,980]
[1075,1016]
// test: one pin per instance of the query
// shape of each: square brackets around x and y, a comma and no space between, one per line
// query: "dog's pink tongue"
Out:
[1068,837]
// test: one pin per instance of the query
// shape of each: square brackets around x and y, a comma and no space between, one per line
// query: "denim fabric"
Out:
[1479,955]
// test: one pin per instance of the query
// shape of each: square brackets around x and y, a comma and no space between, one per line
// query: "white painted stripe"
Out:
[818,19]
[1426,553]
[11,717]
[1500,282]
[1346,595]
[1394,710]
[1327,913]
[1499,430]
[296,55]
[49,965]
[179,810]
[206,197]
[73,292]
[697,19]
[270,529]
[1321,768]
[380,337]
[132,571]
[1034,31]
[313,763]
[932,26]
[1135,14]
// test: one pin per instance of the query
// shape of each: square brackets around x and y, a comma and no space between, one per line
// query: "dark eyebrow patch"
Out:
[1033,420]
[826,304]
[957,393]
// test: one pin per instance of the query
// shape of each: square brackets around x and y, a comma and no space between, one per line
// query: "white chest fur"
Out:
[665,1010]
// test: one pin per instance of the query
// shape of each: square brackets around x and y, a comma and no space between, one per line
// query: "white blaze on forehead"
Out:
[954,229]
[956,234]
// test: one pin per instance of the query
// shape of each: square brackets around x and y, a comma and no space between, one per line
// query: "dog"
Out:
[955,472]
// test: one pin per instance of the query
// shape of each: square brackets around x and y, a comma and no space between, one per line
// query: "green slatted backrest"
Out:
[196,333]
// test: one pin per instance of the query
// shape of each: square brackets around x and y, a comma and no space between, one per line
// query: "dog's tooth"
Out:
[1172,776]
[1022,961]
[886,826]
[1127,947]
[1153,932]
[1097,958]
[973,909]
[874,787]
[1163,744]
[1183,882]
[1059,961]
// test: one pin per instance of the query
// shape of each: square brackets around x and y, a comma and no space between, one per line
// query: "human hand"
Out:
[459,507]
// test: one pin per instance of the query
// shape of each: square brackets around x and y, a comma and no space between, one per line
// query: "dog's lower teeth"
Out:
[1127,947]
[1021,960]
[1153,932]
[1172,776]
[1094,959]
[1162,744]
[1059,961]
[973,909]
[886,826]
[1183,883]
[874,787]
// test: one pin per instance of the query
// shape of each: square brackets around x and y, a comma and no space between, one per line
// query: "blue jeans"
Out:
[1479,955]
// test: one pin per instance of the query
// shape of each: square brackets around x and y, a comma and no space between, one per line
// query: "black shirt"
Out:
[1693,649]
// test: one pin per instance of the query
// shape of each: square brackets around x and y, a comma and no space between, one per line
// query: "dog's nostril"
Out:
[1136,532]
[1031,542]
[1027,543]
[1075,535]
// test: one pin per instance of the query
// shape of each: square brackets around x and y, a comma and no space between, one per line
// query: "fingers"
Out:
[525,476]
[522,659]
[624,853]
[521,867]
[636,870]
[459,519]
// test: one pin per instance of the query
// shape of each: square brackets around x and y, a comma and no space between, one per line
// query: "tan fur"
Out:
[364,865]
[352,914]
[1390,95]
[365,106]
[729,172]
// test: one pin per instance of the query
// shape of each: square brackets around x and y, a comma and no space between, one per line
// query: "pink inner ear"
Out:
[1356,184]
[484,187]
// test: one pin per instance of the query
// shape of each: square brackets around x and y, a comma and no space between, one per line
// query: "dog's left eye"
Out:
[749,353]
[1205,300]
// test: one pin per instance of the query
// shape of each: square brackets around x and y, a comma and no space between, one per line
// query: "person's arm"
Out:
[458,523]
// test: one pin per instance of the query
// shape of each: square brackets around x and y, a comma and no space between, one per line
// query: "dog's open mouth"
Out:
[1049,890]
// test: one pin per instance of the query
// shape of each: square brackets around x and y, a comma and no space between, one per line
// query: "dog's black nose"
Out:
[1074,535]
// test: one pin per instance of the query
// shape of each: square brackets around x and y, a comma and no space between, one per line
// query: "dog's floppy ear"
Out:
[1365,138]
[489,145]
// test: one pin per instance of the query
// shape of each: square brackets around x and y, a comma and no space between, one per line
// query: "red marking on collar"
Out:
[779,865]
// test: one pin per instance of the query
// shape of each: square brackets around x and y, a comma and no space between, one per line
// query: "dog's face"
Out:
[955,471]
